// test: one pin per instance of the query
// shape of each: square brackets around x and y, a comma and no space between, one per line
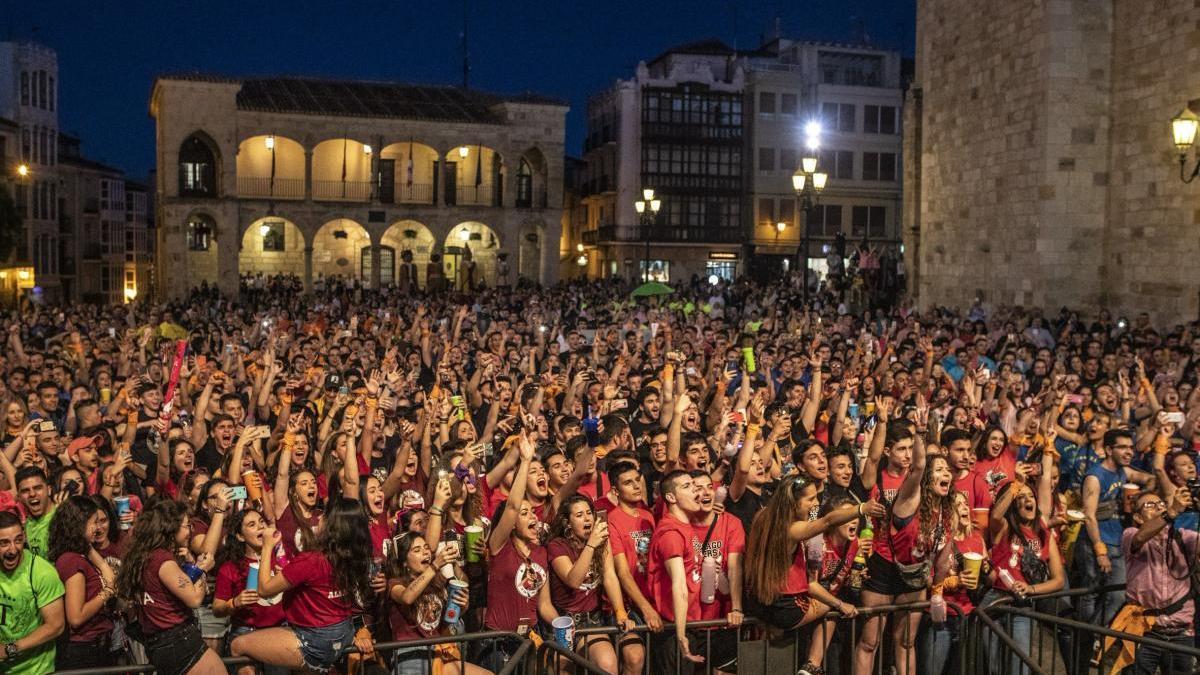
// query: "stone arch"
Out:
[199,166]
[473,176]
[482,244]
[531,179]
[341,170]
[270,166]
[413,166]
[412,236]
[272,245]
[338,251]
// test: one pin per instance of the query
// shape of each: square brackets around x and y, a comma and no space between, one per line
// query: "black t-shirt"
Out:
[209,457]
[750,504]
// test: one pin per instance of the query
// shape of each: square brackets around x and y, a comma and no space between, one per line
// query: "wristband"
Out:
[950,583]
[436,511]
[860,509]
[1100,548]
[756,428]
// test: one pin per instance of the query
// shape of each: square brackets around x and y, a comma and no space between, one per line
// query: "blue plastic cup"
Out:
[564,631]
[252,578]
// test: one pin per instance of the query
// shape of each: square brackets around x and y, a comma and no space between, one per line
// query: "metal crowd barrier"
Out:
[517,661]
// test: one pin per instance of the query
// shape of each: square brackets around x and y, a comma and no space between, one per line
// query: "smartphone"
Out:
[46,425]
[235,493]
[71,487]
[1074,399]
[619,404]
[1175,418]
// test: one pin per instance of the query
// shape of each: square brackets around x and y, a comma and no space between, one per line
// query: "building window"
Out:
[869,221]
[766,210]
[524,184]
[825,220]
[50,91]
[199,233]
[787,104]
[272,239]
[837,164]
[42,89]
[850,69]
[879,119]
[879,166]
[660,270]
[787,159]
[26,144]
[24,87]
[786,211]
[723,269]
[197,169]
[766,103]
[766,159]
[839,116]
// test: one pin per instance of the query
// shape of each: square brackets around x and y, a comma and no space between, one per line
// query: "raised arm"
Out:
[504,527]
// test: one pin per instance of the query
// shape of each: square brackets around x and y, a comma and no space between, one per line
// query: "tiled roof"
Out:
[362,98]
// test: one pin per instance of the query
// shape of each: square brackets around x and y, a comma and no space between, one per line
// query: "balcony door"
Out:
[387,181]
[450,180]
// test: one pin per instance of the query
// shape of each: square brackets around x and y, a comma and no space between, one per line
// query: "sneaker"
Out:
[810,669]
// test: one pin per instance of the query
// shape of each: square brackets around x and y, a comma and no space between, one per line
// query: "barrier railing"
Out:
[386,649]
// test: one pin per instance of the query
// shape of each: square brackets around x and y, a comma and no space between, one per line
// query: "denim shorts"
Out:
[211,626]
[238,631]
[322,647]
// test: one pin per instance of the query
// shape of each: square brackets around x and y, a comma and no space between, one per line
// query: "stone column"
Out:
[375,272]
[229,250]
[308,153]
[548,240]
[308,267]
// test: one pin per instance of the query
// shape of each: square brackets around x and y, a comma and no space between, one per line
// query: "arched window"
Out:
[199,233]
[197,169]
[524,184]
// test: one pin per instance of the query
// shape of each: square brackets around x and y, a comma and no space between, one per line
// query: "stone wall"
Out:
[1045,171]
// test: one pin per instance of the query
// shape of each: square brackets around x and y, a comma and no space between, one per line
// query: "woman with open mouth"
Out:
[234,598]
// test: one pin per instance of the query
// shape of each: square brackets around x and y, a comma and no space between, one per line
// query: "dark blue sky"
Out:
[109,53]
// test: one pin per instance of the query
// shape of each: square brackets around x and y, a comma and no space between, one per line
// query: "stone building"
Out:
[1039,167]
[323,179]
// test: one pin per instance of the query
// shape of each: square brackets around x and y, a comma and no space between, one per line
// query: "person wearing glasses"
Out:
[1157,556]
[1098,562]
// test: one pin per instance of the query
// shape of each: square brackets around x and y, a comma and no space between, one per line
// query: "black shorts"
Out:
[176,650]
[786,613]
[883,578]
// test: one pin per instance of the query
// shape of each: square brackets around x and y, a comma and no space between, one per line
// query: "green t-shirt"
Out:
[33,585]
[37,534]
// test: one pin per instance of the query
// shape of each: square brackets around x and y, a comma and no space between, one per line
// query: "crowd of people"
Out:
[292,477]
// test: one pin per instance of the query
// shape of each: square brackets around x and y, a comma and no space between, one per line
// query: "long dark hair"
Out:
[307,536]
[1014,520]
[68,527]
[768,549]
[155,529]
[232,548]
[561,529]
[345,541]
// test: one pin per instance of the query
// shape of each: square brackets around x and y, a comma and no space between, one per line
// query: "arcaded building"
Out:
[338,179]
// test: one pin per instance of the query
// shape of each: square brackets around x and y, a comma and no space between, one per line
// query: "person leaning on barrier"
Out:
[1159,600]
[33,608]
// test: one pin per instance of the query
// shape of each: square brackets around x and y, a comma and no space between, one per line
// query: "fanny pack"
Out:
[1106,510]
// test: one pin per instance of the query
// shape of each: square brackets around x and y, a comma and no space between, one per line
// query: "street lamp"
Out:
[647,208]
[808,184]
[1183,133]
[23,170]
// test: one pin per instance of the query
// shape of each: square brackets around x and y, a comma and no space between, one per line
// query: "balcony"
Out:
[537,200]
[590,237]
[341,190]
[667,234]
[267,188]
[401,193]
[483,194]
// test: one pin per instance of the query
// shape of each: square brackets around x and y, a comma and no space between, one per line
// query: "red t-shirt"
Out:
[674,539]
[630,536]
[101,624]
[1006,553]
[231,581]
[979,495]
[513,587]
[796,582]
[727,537]
[159,609]
[836,562]
[289,530]
[586,598]
[972,544]
[997,470]
[902,546]
[426,614]
[314,600]
[379,532]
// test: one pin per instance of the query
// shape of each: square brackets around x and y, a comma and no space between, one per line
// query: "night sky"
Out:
[109,53]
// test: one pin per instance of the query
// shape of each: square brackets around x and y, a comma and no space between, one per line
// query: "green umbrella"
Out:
[651,289]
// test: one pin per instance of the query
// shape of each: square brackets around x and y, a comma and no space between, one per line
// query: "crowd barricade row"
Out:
[986,646]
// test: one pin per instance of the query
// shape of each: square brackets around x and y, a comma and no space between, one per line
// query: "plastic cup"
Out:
[473,534]
[980,518]
[972,562]
[105,396]
[253,485]
[1130,492]
[564,631]
[252,577]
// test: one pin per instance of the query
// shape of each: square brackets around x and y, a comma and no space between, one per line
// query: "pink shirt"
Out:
[1147,581]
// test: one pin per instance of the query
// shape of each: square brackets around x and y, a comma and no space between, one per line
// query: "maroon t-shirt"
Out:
[101,624]
[513,586]
[314,600]
[727,537]
[231,581]
[675,539]
[423,619]
[289,530]
[630,535]
[159,609]
[586,598]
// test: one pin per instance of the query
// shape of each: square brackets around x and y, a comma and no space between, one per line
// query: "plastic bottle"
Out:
[937,608]
[708,580]
[1008,579]
[858,571]
[721,494]
[448,539]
